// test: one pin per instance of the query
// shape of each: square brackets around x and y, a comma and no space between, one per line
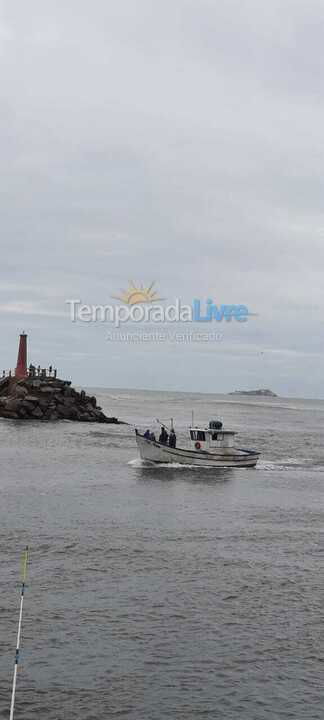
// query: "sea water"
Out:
[164,592]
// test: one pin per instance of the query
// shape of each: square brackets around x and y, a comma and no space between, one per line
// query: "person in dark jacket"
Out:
[172,439]
[163,436]
[147,434]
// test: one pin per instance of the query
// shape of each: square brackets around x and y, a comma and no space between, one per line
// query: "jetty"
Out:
[35,393]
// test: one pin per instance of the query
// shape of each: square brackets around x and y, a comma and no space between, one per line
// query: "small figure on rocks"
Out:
[50,370]
[38,370]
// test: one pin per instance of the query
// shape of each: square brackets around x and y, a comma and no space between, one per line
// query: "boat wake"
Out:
[138,463]
[290,464]
[264,465]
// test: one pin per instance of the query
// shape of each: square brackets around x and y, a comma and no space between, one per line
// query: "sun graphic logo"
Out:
[137,294]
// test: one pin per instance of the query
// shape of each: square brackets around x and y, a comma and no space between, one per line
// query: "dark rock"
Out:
[22,413]
[64,412]
[48,399]
[37,413]
[13,404]
[73,413]
[43,403]
[27,405]
[21,391]
[56,382]
[85,417]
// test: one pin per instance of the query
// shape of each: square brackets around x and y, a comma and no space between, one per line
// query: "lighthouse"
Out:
[21,369]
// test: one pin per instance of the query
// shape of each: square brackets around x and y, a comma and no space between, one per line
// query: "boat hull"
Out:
[155,452]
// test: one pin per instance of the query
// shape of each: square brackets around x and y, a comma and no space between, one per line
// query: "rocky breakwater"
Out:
[48,399]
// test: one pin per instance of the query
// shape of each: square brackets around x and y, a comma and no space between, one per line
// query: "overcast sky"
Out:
[180,142]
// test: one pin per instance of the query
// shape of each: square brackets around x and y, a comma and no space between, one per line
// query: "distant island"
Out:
[262,393]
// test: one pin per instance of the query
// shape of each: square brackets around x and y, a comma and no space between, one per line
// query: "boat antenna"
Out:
[24,575]
[192,418]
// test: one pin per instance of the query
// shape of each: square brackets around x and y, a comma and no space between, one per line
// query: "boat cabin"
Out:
[211,438]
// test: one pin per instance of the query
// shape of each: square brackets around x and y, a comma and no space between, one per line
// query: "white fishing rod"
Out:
[14,682]
[165,426]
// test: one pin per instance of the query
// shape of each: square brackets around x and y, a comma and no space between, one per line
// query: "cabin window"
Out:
[217,436]
[198,435]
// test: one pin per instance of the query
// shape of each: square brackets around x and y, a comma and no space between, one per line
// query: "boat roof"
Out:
[212,430]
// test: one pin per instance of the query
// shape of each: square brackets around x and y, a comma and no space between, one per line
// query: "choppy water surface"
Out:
[170,592]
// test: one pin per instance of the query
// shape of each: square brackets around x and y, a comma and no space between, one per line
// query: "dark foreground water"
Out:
[165,593]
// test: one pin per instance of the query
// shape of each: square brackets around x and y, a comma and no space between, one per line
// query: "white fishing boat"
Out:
[210,446]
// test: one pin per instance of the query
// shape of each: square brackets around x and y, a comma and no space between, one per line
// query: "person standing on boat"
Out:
[147,434]
[163,436]
[172,439]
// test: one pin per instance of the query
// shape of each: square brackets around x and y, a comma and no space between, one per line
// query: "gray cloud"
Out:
[180,142]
